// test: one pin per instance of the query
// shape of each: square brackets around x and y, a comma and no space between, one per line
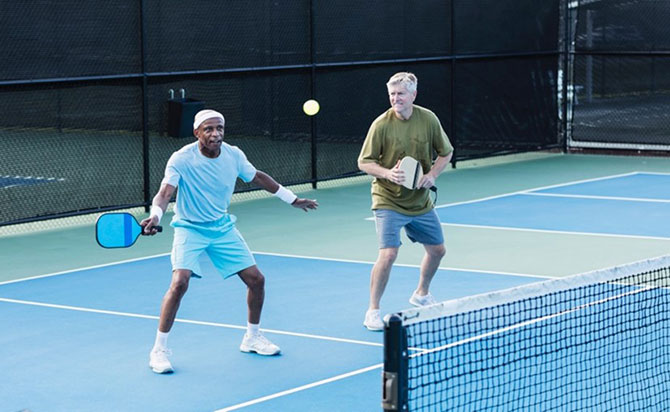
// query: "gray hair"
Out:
[406,79]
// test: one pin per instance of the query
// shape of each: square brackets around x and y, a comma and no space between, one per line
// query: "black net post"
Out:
[394,375]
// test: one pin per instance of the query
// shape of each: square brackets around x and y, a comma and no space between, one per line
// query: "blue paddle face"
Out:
[115,230]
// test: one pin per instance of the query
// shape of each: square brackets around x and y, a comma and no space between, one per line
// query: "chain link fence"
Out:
[619,55]
[86,103]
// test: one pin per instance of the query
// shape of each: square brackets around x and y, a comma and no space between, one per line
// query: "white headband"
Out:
[203,115]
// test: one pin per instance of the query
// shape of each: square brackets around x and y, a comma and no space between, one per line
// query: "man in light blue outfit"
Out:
[205,172]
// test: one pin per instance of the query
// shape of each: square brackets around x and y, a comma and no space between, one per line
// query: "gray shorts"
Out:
[425,229]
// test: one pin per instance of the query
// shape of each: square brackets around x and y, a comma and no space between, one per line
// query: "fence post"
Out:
[146,171]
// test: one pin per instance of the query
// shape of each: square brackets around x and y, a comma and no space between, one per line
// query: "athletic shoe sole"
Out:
[418,303]
[250,350]
[161,371]
[373,328]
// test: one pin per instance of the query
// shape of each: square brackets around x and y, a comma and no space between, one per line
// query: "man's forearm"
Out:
[440,164]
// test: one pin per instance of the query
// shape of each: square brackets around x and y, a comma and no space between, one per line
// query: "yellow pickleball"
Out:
[311,107]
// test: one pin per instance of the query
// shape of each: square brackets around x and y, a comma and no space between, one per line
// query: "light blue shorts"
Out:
[221,240]
[425,229]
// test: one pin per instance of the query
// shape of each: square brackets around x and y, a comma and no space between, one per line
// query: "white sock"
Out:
[161,339]
[253,329]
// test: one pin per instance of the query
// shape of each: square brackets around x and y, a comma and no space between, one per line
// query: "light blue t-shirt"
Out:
[205,185]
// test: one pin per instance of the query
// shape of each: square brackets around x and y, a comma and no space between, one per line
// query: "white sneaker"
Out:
[259,344]
[418,300]
[373,321]
[158,360]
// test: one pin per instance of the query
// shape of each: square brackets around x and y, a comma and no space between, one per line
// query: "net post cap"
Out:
[392,317]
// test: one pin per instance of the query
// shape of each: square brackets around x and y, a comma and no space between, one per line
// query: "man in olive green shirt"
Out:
[404,130]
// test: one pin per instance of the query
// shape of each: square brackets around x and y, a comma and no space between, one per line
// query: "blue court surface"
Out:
[80,340]
[635,205]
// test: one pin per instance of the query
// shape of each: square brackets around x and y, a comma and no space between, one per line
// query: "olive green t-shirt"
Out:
[389,140]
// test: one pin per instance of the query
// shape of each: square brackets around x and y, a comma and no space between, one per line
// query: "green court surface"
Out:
[341,228]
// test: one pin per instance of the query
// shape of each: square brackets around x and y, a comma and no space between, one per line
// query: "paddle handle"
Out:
[158,229]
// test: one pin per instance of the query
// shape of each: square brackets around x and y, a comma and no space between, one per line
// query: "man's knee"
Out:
[180,280]
[388,255]
[437,251]
[253,278]
[257,281]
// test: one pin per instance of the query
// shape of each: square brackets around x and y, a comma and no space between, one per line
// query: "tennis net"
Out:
[595,341]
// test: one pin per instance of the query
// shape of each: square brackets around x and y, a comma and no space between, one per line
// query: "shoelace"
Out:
[261,340]
[163,353]
[428,298]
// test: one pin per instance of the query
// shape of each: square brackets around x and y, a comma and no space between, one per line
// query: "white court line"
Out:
[527,191]
[69,271]
[574,182]
[492,272]
[655,173]
[301,388]
[578,182]
[562,232]
[530,192]
[263,399]
[188,321]
[627,199]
